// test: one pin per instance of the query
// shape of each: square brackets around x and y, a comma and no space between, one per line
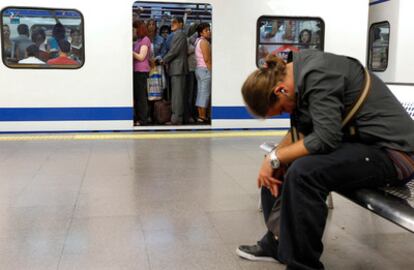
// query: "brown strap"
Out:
[361,99]
[294,134]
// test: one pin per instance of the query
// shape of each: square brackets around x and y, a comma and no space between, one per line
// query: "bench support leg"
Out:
[330,201]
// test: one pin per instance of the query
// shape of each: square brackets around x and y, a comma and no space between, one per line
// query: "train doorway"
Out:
[172,64]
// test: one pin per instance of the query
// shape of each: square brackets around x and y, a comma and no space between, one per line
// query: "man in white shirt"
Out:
[32,52]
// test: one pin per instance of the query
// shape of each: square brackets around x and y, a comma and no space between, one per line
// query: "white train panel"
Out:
[98,96]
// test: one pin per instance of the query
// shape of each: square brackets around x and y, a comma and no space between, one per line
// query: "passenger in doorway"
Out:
[22,41]
[134,32]
[141,54]
[63,57]
[316,88]
[156,40]
[165,32]
[203,71]
[176,59]
[305,37]
[136,14]
[7,49]
[190,110]
[32,56]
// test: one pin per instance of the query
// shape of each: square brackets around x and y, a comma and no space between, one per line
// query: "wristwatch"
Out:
[274,161]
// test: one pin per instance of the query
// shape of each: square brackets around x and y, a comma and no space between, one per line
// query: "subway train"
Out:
[95,92]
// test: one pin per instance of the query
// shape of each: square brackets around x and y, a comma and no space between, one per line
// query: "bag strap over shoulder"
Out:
[360,100]
[351,112]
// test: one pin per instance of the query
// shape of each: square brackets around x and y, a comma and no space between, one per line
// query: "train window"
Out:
[42,38]
[281,35]
[379,36]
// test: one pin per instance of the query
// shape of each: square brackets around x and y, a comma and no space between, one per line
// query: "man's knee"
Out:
[300,168]
[304,172]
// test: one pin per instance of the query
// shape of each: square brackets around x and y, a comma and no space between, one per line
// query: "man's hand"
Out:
[266,179]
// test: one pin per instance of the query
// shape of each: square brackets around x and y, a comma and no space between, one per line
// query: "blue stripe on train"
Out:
[105,114]
[66,114]
[375,2]
[235,112]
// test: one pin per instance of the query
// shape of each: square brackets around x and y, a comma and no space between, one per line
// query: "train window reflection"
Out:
[42,38]
[379,34]
[281,35]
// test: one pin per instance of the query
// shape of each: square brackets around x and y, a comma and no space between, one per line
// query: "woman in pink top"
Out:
[141,53]
[203,71]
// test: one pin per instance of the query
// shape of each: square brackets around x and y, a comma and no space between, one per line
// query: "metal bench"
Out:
[393,203]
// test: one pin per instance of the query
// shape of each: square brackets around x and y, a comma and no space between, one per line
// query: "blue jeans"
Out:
[203,76]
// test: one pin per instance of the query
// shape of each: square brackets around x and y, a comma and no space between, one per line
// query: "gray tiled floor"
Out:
[159,204]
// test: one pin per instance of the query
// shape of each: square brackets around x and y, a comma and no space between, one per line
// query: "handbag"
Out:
[272,223]
[403,163]
[154,85]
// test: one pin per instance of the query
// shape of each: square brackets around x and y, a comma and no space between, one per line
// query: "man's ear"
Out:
[280,88]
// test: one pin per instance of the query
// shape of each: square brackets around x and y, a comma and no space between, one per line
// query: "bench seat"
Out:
[393,203]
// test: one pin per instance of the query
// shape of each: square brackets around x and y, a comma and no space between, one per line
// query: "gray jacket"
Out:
[176,57]
[20,45]
[326,86]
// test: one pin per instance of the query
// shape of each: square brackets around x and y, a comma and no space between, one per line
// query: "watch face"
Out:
[275,163]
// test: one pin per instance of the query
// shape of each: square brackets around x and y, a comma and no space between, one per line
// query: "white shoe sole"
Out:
[250,257]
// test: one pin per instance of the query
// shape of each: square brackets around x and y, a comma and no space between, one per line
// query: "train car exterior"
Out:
[97,95]
[390,46]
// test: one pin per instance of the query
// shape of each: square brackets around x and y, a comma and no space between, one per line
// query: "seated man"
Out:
[318,89]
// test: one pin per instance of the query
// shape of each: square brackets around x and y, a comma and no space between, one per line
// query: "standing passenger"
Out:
[7,42]
[58,33]
[203,71]
[141,53]
[176,58]
[190,112]
[165,31]
[22,41]
[76,51]
[156,40]
[317,88]
[39,38]
[305,37]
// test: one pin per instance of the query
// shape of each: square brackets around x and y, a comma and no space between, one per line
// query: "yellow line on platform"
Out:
[143,136]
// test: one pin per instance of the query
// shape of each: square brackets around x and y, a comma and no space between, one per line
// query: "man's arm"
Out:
[286,153]
[178,42]
[291,152]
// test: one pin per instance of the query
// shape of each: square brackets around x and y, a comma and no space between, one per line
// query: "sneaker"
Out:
[254,253]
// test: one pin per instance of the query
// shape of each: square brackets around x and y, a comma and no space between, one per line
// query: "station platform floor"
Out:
[153,201]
